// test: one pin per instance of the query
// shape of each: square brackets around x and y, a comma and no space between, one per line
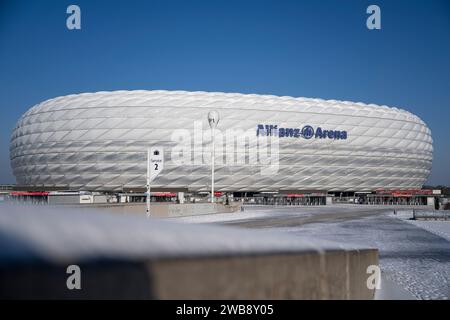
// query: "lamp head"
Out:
[213,118]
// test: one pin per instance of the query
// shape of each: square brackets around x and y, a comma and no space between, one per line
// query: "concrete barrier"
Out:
[132,257]
[431,214]
[165,210]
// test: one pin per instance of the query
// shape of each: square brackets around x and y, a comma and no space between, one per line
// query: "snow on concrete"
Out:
[64,234]
[414,255]
[264,212]
[410,256]
[439,227]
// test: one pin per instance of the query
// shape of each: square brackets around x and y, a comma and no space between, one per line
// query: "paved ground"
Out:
[440,228]
[413,255]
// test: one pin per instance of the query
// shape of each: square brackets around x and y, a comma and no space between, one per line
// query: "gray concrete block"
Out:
[135,257]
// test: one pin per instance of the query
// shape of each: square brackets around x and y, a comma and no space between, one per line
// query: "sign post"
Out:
[155,164]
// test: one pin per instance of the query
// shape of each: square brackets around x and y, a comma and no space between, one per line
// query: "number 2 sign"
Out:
[156,162]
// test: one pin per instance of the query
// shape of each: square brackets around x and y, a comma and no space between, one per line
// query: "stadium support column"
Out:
[181,197]
[213,120]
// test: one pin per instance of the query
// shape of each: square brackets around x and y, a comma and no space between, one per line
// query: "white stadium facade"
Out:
[98,142]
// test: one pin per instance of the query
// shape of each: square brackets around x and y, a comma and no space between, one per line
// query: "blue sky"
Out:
[299,48]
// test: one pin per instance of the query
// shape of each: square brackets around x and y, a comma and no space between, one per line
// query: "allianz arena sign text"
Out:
[306,132]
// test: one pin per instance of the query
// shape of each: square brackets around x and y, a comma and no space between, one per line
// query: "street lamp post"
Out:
[213,120]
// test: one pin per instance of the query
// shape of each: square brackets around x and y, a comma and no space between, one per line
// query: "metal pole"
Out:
[213,120]
[212,163]
[148,183]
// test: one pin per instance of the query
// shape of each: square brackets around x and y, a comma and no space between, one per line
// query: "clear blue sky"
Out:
[298,48]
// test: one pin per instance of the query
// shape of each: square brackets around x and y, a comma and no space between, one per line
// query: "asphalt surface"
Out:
[411,257]
[291,217]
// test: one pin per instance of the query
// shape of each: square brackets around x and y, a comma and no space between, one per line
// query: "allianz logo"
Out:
[307,132]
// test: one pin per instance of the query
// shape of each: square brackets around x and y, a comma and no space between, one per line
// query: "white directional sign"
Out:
[156,162]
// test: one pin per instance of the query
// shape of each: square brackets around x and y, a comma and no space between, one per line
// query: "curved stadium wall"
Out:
[98,141]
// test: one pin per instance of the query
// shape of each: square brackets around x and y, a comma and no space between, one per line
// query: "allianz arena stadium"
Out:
[98,142]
